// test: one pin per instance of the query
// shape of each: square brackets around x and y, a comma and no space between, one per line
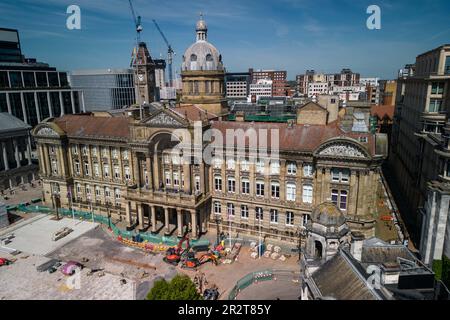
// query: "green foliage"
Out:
[180,288]
[437,269]
[446,271]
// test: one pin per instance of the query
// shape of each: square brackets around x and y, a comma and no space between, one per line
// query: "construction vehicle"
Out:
[5,262]
[191,262]
[174,255]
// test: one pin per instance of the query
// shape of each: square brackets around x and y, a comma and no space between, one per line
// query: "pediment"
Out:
[164,118]
[47,131]
[343,149]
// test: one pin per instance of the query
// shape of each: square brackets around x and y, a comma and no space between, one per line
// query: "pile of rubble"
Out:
[271,251]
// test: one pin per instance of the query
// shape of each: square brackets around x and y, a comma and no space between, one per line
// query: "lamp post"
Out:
[217,218]
[109,215]
[301,234]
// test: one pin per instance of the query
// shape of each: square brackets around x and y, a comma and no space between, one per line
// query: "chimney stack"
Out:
[356,244]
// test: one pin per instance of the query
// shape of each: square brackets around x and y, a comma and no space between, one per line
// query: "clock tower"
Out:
[144,75]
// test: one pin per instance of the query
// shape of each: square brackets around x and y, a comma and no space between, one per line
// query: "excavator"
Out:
[174,255]
[191,262]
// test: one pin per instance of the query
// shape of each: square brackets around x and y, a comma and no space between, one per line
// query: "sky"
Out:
[292,35]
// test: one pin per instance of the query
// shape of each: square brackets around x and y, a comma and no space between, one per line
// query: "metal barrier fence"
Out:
[89,216]
[248,280]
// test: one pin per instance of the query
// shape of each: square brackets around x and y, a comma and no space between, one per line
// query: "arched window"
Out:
[193,57]
[193,62]
[209,62]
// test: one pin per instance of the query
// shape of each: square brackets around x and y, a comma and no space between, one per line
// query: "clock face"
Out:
[141,77]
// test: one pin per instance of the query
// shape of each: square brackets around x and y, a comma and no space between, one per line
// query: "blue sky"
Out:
[293,35]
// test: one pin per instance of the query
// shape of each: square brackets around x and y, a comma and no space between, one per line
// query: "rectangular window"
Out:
[307,193]
[197,183]
[244,212]
[176,179]
[435,105]
[231,185]
[339,198]
[289,218]
[217,207]
[305,219]
[230,209]
[291,190]
[437,88]
[86,168]
[275,190]
[107,192]
[308,170]
[260,167]
[259,213]
[106,170]
[343,200]
[245,166]
[275,167]
[84,150]
[218,183]
[74,150]
[77,167]
[231,164]
[116,172]
[97,191]
[217,163]
[78,188]
[127,173]
[96,169]
[447,65]
[292,168]
[245,186]
[340,175]
[273,216]
[88,191]
[168,178]
[260,188]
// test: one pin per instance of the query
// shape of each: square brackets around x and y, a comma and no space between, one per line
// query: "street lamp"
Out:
[217,219]
[301,234]
[109,215]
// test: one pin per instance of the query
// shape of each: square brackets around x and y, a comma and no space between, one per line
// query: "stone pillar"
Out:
[73,102]
[149,170]
[179,223]
[153,217]
[5,155]
[46,160]
[29,149]
[16,152]
[8,103]
[136,169]
[194,224]
[128,214]
[62,163]
[61,102]
[155,171]
[187,178]
[166,221]
[140,216]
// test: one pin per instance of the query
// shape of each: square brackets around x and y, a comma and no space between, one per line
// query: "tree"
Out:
[180,288]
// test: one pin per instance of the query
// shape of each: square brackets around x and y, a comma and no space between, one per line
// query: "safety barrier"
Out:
[248,280]
[124,234]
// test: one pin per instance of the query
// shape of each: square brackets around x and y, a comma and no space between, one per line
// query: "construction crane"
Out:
[138,25]
[170,53]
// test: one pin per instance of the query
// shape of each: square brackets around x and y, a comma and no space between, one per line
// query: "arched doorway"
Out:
[318,249]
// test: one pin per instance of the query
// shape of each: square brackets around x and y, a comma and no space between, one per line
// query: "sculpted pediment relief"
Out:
[46,131]
[163,119]
[342,150]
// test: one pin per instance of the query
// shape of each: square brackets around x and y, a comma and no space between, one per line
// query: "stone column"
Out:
[46,160]
[29,149]
[136,169]
[73,102]
[153,217]
[166,221]
[149,170]
[187,178]
[128,214]
[179,223]
[8,103]
[5,155]
[140,216]
[61,102]
[194,224]
[155,171]
[16,152]
[62,163]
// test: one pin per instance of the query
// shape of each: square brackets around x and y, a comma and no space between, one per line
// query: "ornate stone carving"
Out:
[46,131]
[164,119]
[342,150]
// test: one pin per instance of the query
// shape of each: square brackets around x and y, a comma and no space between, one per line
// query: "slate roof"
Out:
[338,279]
[10,123]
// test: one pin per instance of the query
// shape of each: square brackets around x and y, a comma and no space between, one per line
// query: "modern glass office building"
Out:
[105,89]
[31,90]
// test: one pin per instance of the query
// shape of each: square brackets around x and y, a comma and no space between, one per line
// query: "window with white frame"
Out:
[88,190]
[291,190]
[106,170]
[107,192]
[217,207]
[176,179]
[127,173]
[230,209]
[146,177]
[231,165]
[339,198]
[84,150]
[340,175]
[307,193]
[244,212]
[231,184]
[74,150]
[260,188]
[77,167]
[96,169]
[78,188]
[260,167]
[289,218]
[274,167]
[86,168]
[168,178]
[117,193]
[245,184]
[52,149]
[305,219]
[125,154]
[307,170]
[275,190]
[116,172]
[217,183]
[273,216]
[245,165]
[197,183]
[98,191]
[115,153]
[54,166]
[291,168]
[259,213]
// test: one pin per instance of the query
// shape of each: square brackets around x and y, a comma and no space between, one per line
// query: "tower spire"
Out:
[201,29]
